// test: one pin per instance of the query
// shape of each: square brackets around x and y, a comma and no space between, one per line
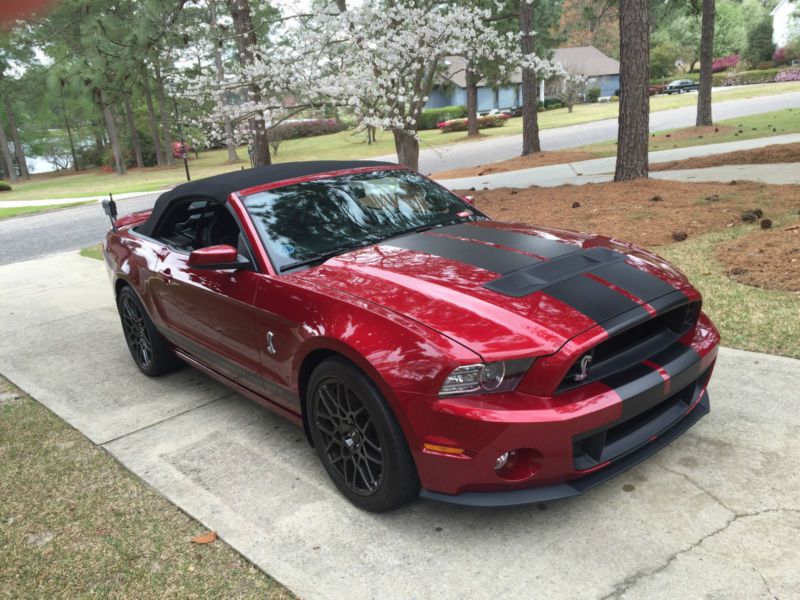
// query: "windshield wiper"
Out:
[326,255]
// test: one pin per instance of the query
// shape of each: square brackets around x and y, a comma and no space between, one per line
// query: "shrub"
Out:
[663,57]
[4,187]
[431,117]
[759,42]
[593,94]
[484,122]
[725,63]
[788,75]
[779,56]
[292,130]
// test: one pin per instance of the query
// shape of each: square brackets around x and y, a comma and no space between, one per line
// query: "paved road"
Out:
[26,237]
[470,154]
[713,515]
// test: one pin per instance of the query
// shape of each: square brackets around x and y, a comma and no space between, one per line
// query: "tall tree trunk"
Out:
[8,160]
[230,142]
[246,42]
[706,60]
[116,149]
[634,101]
[530,115]
[18,149]
[69,130]
[164,112]
[153,124]
[472,101]
[406,145]
[137,147]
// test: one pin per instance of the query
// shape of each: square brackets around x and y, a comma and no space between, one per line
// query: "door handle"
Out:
[166,274]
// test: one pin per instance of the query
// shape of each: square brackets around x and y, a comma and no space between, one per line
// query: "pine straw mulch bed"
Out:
[767,258]
[776,153]
[653,213]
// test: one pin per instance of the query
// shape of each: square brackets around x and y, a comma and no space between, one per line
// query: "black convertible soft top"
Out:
[219,187]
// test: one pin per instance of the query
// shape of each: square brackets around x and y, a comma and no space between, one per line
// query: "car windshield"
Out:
[677,82]
[320,218]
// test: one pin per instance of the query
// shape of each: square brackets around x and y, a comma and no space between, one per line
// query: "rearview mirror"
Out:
[469,200]
[217,257]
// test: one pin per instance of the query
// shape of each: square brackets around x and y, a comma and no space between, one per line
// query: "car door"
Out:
[208,312]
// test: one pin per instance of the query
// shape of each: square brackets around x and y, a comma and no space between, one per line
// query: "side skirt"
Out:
[247,393]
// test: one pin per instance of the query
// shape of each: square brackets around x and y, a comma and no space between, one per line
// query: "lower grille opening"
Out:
[591,449]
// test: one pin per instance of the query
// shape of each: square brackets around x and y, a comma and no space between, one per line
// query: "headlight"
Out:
[502,376]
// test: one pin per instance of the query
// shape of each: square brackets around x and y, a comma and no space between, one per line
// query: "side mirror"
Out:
[469,200]
[217,258]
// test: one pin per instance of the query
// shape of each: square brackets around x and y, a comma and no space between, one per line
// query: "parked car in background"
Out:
[424,348]
[679,86]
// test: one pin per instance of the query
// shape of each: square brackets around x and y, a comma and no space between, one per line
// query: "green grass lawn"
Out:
[75,524]
[780,122]
[345,145]
[13,212]
[95,252]
[749,318]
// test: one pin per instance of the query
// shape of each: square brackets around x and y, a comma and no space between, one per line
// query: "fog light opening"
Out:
[519,464]
[502,460]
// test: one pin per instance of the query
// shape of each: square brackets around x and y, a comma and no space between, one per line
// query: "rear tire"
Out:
[149,350]
[358,439]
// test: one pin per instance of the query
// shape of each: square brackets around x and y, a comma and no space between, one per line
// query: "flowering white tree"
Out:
[385,58]
[378,60]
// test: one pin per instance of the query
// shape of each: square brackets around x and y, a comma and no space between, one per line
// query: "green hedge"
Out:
[4,187]
[432,116]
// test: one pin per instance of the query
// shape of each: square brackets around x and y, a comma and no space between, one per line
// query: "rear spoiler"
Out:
[110,208]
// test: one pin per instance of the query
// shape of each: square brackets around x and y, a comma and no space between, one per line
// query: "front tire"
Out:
[358,439]
[149,350]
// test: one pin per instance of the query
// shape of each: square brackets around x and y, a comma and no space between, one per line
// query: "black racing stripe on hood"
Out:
[634,281]
[478,255]
[597,301]
[512,239]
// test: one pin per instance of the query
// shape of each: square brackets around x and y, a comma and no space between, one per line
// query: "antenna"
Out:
[110,208]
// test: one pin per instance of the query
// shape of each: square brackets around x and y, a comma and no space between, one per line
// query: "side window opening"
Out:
[199,224]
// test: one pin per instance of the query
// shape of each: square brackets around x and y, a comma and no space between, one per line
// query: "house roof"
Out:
[778,7]
[583,60]
[586,60]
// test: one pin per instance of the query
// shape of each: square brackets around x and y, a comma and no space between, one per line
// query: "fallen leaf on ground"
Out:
[205,538]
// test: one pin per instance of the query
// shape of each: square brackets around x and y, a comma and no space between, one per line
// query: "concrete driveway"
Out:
[714,515]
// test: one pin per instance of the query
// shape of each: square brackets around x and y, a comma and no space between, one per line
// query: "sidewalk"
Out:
[714,514]
[602,169]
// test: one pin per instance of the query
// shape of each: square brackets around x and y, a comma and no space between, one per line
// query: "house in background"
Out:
[785,17]
[451,86]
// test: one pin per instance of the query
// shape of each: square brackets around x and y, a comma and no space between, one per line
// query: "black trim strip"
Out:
[490,258]
[512,239]
[634,281]
[597,301]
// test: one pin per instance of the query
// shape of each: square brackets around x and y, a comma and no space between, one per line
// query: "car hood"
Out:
[502,290]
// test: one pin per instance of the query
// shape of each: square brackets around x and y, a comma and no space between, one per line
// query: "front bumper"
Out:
[575,487]
[564,443]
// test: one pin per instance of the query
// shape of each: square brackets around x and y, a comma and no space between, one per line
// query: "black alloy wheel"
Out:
[358,439]
[136,333]
[351,442]
[149,350]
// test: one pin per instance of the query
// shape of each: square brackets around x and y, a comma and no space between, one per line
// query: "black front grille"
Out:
[633,345]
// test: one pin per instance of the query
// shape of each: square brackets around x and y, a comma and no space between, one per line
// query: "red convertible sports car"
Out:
[424,348]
